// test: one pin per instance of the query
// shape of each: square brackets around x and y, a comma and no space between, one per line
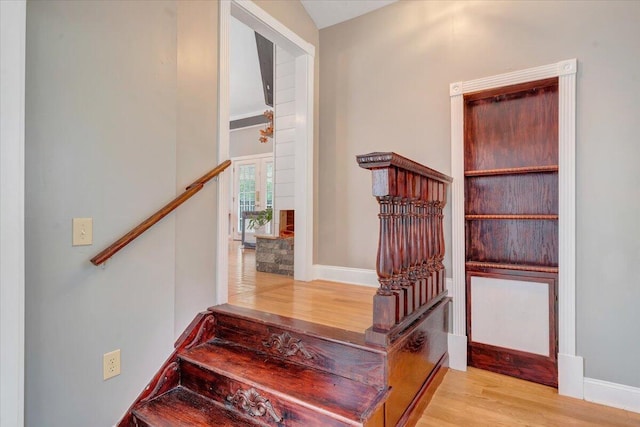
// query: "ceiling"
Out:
[326,13]
[246,97]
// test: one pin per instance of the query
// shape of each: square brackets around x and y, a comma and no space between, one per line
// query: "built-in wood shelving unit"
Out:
[511,210]
[511,177]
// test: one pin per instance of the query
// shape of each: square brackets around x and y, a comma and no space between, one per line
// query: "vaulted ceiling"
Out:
[246,91]
[246,95]
[326,13]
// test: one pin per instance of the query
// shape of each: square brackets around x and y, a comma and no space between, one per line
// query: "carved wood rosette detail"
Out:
[251,403]
[286,345]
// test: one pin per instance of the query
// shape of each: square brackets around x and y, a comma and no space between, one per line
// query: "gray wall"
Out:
[100,142]
[385,86]
[196,154]
[121,101]
[244,142]
[120,97]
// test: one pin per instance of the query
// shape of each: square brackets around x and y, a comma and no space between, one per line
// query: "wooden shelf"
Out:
[511,171]
[512,217]
[511,203]
[505,266]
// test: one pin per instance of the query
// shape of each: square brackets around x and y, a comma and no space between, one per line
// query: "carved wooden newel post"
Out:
[411,198]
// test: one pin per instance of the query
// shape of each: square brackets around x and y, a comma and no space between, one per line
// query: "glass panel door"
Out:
[267,182]
[253,192]
[246,194]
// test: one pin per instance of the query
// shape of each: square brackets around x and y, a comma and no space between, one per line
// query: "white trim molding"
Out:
[570,366]
[354,276]
[224,181]
[457,347]
[612,394]
[304,90]
[256,18]
[570,375]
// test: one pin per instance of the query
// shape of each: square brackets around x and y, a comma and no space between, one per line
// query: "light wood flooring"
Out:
[472,398]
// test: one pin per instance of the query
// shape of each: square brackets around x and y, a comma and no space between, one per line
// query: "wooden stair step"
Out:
[183,408]
[329,349]
[220,369]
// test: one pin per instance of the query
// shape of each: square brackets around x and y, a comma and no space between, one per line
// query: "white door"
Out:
[252,191]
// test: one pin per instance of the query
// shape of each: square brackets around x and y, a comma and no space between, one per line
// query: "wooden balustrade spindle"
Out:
[384,304]
[384,263]
[430,242]
[436,241]
[403,189]
[423,239]
[415,253]
[440,257]
[397,257]
[411,198]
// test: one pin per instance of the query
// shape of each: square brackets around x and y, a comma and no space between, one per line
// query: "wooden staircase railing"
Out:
[411,248]
[192,189]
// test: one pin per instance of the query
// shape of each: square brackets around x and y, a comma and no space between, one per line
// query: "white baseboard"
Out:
[457,352]
[354,276]
[570,376]
[612,394]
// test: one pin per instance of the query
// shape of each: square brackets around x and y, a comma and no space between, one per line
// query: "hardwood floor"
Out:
[483,398]
[318,301]
[472,398]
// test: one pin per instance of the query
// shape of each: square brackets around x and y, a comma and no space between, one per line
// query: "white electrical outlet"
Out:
[82,231]
[111,364]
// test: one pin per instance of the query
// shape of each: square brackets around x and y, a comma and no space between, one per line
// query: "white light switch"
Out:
[82,231]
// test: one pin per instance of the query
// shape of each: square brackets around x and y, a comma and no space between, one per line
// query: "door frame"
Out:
[570,365]
[259,20]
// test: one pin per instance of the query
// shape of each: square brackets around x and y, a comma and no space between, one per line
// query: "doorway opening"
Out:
[292,164]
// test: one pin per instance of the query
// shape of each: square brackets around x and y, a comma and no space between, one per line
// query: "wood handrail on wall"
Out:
[192,189]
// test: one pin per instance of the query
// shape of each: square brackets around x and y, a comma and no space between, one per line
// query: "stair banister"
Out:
[411,200]
[192,189]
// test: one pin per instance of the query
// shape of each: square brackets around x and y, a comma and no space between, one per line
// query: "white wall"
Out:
[12,72]
[385,86]
[285,132]
[101,125]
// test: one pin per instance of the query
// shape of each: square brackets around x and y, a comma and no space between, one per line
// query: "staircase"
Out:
[236,367]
